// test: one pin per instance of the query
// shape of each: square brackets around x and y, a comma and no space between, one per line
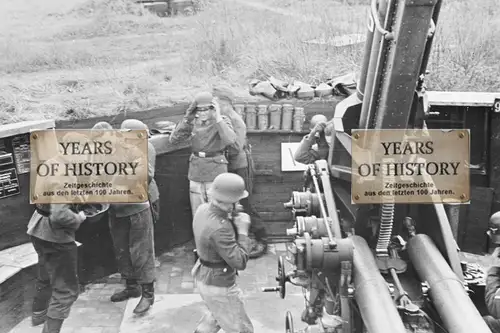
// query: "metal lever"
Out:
[387,34]
[322,207]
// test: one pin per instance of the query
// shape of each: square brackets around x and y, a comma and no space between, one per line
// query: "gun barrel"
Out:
[372,294]
[446,291]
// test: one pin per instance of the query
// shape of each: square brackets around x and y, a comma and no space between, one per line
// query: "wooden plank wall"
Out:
[474,220]
[16,210]
[494,159]
[272,188]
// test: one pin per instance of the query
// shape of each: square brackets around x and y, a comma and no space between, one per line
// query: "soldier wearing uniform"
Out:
[492,289]
[221,236]
[154,193]
[210,134]
[131,227]
[314,146]
[241,163]
[52,229]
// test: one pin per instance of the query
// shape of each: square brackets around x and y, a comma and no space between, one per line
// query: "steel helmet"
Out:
[494,228]
[133,124]
[495,220]
[102,125]
[223,92]
[203,99]
[228,188]
[317,119]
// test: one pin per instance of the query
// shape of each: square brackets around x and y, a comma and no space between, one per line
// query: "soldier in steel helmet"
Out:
[241,163]
[153,191]
[52,230]
[221,236]
[210,133]
[131,227]
[315,145]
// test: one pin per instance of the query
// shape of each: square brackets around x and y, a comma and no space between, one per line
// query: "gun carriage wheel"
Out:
[281,278]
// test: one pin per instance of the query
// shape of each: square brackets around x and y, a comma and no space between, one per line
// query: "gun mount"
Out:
[379,268]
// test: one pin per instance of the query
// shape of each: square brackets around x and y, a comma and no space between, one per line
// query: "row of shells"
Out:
[273,117]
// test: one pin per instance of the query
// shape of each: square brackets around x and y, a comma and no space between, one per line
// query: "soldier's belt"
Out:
[42,212]
[213,264]
[208,155]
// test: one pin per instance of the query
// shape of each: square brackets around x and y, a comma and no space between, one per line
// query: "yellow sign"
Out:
[89,166]
[410,166]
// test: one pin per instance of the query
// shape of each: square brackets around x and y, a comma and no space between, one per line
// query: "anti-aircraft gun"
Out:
[380,268]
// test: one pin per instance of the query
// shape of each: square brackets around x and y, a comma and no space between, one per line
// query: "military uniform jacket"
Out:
[237,154]
[492,291]
[206,137]
[56,223]
[216,243]
[129,209]
[312,149]
[153,192]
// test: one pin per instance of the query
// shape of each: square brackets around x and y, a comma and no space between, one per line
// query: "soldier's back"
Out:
[207,220]
[201,227]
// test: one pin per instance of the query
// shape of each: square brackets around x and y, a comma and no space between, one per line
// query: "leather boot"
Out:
[147,299]
[39,317]
[132,290]
[52,325]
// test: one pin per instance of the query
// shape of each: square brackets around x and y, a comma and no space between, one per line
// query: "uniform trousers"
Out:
[57,281]
[134,246]
[226,310]
[493,324]
[155,210]
[198,194]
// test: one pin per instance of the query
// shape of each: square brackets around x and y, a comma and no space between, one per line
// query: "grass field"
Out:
[75,59]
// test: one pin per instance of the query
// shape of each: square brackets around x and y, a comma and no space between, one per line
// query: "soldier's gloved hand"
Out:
[82,215]
[218,116]
[238,208]
[191,110]
[495,257]
[242,222]
[320,127]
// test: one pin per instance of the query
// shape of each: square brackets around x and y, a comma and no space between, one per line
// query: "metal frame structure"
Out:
[388,268]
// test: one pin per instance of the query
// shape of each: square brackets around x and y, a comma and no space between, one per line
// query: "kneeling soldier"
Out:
[221,236]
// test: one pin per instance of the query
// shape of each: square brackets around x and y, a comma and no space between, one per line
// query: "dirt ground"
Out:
[56,63]
[83,58]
